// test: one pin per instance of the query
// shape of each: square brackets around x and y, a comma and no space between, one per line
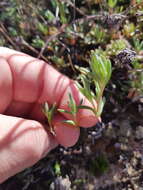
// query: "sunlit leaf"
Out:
[70,122]
[72,105]
[100,106]
[85,107]
[64,111]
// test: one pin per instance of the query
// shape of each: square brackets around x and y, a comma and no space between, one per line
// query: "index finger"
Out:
[36,81]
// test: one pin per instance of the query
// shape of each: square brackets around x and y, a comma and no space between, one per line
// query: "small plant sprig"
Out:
[99,74]
[49,112]
[73,111]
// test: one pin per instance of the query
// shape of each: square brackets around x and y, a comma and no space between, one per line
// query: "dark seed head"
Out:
[113,20]
[126,56]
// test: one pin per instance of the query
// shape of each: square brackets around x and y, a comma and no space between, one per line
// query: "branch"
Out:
[52,37]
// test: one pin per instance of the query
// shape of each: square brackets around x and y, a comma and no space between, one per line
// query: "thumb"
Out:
[22,144]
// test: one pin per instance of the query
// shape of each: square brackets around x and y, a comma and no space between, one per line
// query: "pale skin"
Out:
[25,84]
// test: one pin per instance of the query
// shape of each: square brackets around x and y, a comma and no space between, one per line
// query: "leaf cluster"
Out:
[98,75]
[99,165]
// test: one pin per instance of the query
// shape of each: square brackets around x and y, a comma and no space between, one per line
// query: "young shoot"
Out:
[99,75]
[49,112]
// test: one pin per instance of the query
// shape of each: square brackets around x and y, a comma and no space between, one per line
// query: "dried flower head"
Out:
[126,56]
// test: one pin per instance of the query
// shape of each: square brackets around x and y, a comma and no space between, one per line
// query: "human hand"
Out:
[25,84]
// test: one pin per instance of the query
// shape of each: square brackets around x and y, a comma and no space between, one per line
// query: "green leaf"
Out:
[70,122]
[112,3]
[81,101]
[42,28]
[72,105]
[86,107]
[37,42]
[57,169]
[49,111]
[49,15]
[100,106]
[86,91]
[64,111]
[46,107]
[62,9]
[54,4]
[96,67]
[82,70]
[98,90]
[52,111]
[81,89]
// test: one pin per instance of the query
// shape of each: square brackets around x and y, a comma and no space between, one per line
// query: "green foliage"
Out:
[37,42]
[95,35]
[58,61]
[99,75]
[129,29]
[12,31]
[138,44]
[73,109]
[99,165]
[10,12]
[137,77]
[2,41]
[100,69]
[49,15]
[62,11]
[79,181]
[49,112]
[116,46]
[42,28]
[57,169]
[112,3]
